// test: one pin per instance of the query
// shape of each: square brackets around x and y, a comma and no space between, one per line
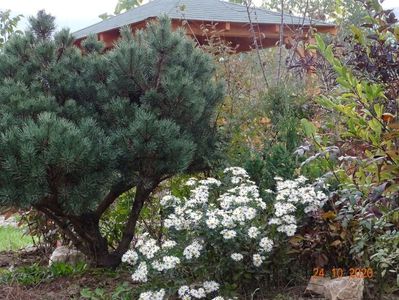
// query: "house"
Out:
[235,23]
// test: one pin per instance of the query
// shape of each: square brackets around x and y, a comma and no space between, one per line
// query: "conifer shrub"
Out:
[80,127]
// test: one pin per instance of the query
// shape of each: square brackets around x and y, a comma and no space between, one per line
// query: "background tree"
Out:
[80,129]
[8,25]
[237,1]
[342,12]
[122,6]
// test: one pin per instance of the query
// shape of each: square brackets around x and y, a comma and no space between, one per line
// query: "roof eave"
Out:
[78,36]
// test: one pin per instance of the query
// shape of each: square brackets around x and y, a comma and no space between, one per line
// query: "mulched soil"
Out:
[24,257]
[70,287]
[61,288]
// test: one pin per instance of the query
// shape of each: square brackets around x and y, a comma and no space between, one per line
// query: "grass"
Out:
[35,274]
[12,239]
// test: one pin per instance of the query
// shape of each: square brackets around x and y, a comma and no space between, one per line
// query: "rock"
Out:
[8,221]
[343,288]
[29,249]
[66,255]
[316,285]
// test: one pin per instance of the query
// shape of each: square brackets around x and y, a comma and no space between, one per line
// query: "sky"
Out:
[77,14]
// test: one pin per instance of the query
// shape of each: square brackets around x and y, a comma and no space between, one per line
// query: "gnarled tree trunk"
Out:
[84,230]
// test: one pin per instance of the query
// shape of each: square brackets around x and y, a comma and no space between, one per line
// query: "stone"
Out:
[343,288]
[6,221]
[316,285]
[65,254]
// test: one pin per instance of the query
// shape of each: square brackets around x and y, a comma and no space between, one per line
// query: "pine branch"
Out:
[142,194]
[111,197]
[159,70]
[64,227]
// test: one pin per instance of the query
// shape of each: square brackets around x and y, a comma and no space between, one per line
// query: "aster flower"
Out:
[237,256]
[210,286]
[257,260]
[193,250]
[183,290]
[140,275]
[266,244]
[228,234]
[159,295]
[198,293]
[253,232]
[131,257]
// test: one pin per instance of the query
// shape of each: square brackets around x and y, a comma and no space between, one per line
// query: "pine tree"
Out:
[79,127]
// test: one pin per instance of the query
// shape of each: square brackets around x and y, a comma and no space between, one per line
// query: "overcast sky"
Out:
[77,14]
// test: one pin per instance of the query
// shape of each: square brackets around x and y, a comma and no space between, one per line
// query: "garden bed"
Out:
[32,280]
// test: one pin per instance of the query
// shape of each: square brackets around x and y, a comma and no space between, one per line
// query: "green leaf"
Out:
[308,128]
[320,43]
[379,109]
[375,126]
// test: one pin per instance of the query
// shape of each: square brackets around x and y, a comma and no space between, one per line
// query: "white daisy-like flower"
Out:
[257,260]
[198,293]
[191,181]
[170,262]
[237,256]
[149,248]
[266,244]
[210,286]
[140,275]
[210,181]
[168,244]
[130,257]
[289,229]
[228,234]
[169,200]
[212,222]
[193,250]
[253,232]
[183,290]
[159,295]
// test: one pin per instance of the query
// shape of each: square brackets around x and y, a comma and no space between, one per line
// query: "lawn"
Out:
[12,238]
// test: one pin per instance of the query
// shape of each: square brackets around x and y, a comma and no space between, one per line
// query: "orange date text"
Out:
[341,272]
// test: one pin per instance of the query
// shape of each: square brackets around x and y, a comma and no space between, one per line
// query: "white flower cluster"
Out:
[291,194]
[169,200]
[168,244]
[206,218]
[193,250]
[253,232]
[168,263]
[235,208]
[130,257]
[257,260]
[159,295]
[228,234]
[208,287]
[147,246]
[266,244]
[141,273]
[233,211]
[237,256]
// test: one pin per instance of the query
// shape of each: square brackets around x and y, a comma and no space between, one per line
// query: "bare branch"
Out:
[255,40]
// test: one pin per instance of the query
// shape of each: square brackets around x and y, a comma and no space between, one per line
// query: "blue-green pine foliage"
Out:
[76,123]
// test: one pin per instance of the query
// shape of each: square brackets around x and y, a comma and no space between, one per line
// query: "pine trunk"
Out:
[95,246]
